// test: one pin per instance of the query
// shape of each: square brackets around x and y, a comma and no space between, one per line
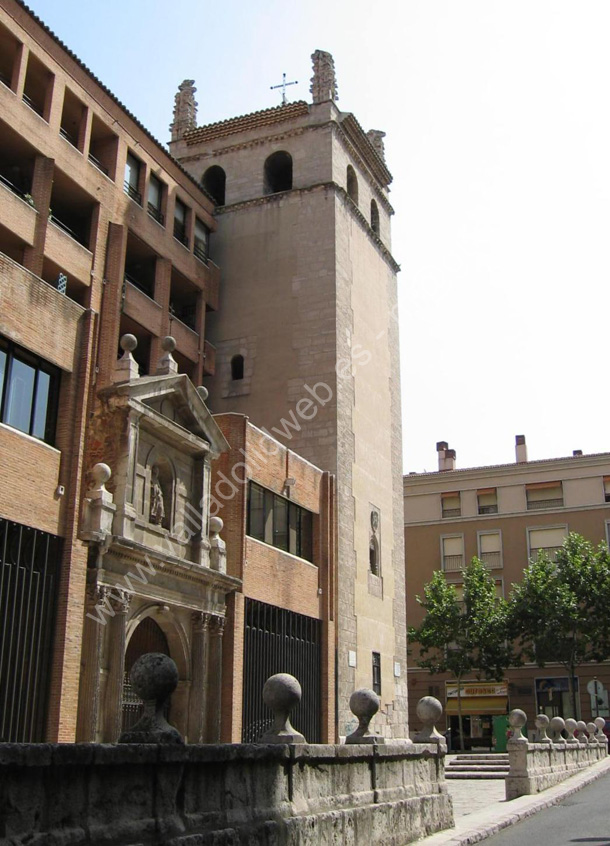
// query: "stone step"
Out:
[498,756]
[472,768]
[489,774]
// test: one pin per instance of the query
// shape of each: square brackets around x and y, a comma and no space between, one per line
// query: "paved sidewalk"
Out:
[480,808]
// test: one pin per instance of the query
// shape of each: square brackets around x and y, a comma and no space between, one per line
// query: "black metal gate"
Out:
[148,637]
[280,641]
[29,565]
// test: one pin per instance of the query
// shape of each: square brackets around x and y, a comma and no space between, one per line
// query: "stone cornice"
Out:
[320,186]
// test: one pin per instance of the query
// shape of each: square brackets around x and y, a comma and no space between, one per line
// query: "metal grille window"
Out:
[29,563]
[280,641]
[155,198]
[487,501]
[180,216]
[133,168]
[29,388]
[279,522]
[202,240]
[451,504]
[377,673]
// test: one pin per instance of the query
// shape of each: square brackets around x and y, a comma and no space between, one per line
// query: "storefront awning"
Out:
[474,705]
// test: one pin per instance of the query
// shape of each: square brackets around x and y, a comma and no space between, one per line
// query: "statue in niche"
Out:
[157,506]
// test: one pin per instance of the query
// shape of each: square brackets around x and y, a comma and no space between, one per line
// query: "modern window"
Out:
[133,172]
[451,504]
[548,539]
[490,549]
[352,184]
[279,522]
[155,199]
[377,673]
[374,217]
[452,553]
[606,488]
[487,501]
[201,246]
[28,390]
[544,495]
[237,368]
[214,181]
[278,172]
[180,216]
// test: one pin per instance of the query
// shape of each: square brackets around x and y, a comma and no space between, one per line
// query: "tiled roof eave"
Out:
[243,123]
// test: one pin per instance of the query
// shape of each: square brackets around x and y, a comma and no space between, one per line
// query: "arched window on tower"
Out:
[214,180]
[374,217]
[237,367]
[352,184]
[278,172]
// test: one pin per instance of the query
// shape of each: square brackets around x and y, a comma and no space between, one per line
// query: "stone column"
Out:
[87,727]
[119,601]
[199,682]
[214,686]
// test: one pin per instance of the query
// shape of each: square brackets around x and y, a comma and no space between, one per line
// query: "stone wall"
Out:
[227,794]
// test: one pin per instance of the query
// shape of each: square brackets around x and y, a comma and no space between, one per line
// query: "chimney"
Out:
[450,459]
[441,449]
[521,449]
[576,453]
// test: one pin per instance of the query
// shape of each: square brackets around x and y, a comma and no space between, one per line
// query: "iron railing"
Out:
[145,287]
[156,214]
[280,641]
[488,509]
[451,563]
[68,137]
[11,186]
[538,504]
[200,250]
[29,564]
[492,560]
[180,233]
[551,551]
[34,106]
[133,193]
[452,512]
[97,163]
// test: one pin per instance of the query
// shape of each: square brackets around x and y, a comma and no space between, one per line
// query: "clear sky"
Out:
[498,138]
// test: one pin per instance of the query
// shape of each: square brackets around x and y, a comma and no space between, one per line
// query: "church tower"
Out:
[306,340]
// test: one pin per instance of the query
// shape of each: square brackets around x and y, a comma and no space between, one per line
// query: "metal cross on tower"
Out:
[283,87]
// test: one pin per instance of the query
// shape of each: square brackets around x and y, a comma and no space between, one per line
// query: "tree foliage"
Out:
[463,637]
[559,611]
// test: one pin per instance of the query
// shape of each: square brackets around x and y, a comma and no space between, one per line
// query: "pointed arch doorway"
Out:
[147,637]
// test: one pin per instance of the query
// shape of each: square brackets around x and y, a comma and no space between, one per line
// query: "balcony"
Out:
[453,563]
[141,308]
[452,512]
[187,340]
[540,504]
[97,163]
[16,214]
[492,560]
[63,248]
[488,509]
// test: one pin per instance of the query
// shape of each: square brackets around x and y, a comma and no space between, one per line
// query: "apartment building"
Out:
[503,514]
[102,234]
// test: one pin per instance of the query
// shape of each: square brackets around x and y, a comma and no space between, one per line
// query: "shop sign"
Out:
[473,689]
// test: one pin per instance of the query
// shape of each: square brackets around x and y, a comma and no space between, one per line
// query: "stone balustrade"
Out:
[536,766]
[282,790]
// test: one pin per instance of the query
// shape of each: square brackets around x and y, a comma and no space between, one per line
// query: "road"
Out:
[583,817]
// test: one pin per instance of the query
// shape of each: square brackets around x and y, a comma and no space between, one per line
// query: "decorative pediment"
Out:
[172,403]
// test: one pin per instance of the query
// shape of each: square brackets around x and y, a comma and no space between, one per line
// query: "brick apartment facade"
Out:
[503,514]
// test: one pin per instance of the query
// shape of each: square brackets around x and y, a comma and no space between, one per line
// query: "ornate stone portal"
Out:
[154,553]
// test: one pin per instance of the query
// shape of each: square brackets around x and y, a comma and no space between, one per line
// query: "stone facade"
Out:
[309,286]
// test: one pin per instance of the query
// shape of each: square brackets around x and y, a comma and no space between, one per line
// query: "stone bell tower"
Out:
[307,344]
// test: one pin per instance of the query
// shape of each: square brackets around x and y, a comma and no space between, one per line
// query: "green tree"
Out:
[559,611]
[464,637]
